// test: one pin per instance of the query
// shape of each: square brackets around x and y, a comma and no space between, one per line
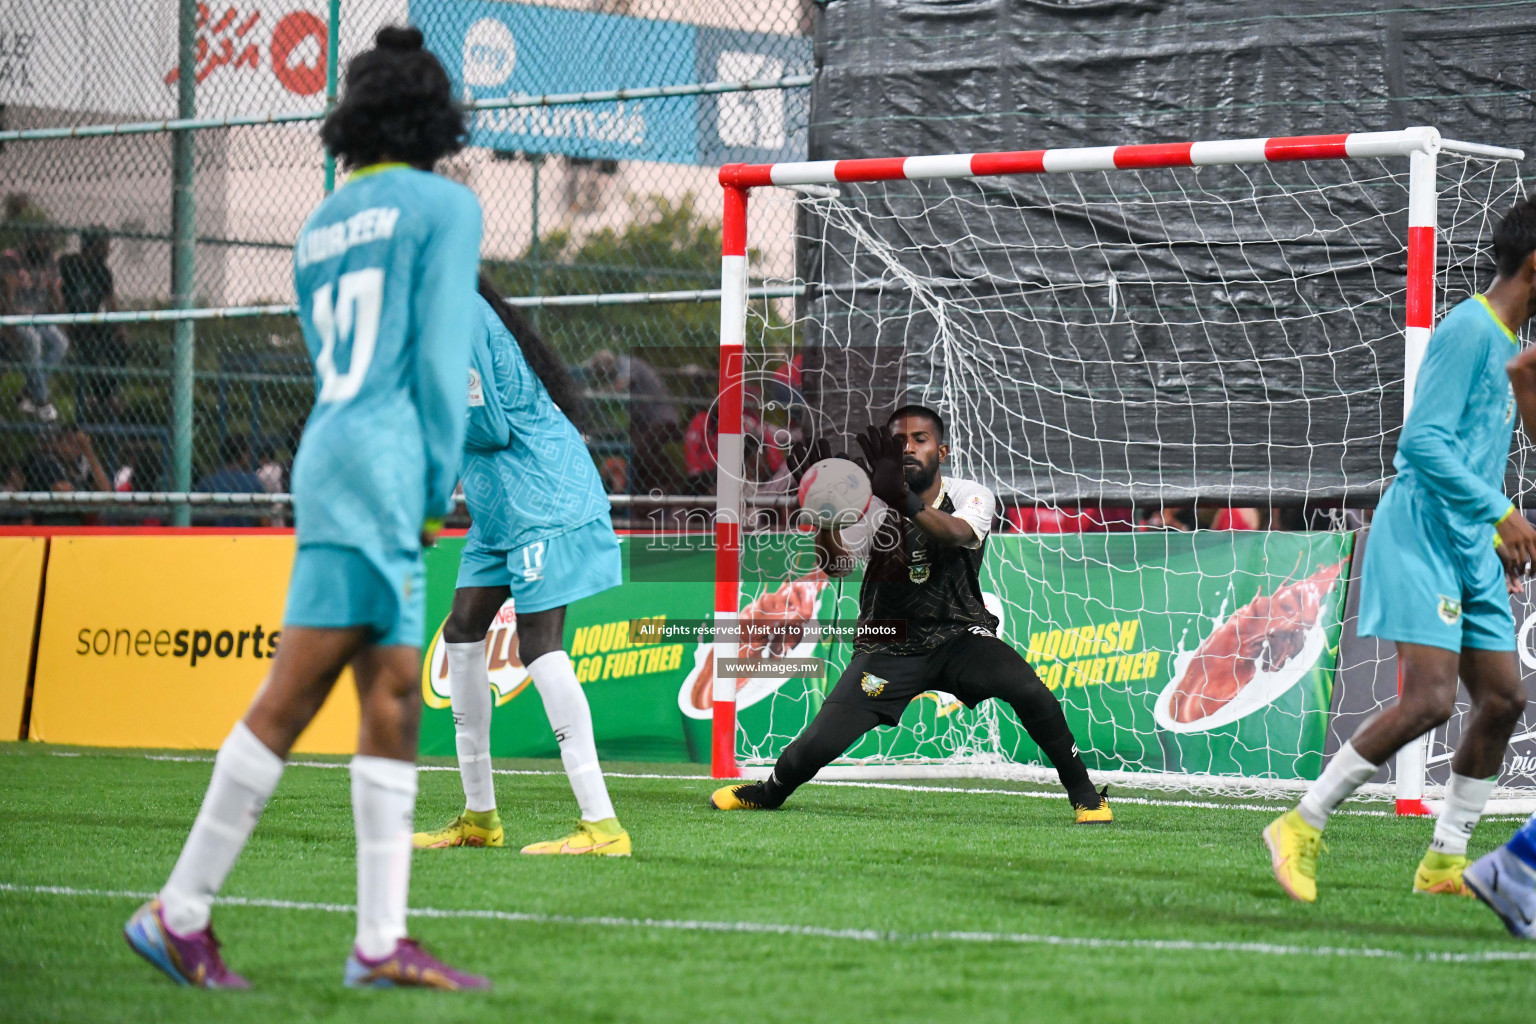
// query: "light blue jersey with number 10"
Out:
[385,271]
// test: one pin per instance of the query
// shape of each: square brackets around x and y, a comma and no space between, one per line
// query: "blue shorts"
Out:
[1420,586]
[548,573]
[334,587]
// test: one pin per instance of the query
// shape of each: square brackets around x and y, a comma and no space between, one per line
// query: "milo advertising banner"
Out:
[632,687]
[1209,652]
[1205,652]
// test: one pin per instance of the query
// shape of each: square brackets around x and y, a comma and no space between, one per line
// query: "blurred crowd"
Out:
[653,429]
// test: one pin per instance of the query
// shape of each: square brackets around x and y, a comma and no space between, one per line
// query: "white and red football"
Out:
[834,491]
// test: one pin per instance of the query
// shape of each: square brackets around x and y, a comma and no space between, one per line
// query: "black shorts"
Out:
[973,667]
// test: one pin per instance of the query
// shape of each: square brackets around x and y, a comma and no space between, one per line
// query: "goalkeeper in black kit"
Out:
[922,539]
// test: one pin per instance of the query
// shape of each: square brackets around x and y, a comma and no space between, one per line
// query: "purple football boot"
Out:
[408,966]
[187,960]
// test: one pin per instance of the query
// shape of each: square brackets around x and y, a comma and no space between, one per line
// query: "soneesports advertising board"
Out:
[1208,652]
[162,641]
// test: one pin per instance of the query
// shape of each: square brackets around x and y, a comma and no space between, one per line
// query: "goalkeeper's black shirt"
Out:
[933,589]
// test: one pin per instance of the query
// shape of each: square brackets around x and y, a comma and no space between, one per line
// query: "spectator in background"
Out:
[13,479]
[66,461]
[274,480]
[86,287]
[763,484]
[699,452]
[233,476]
[653,418]
[1168,517]
[21,219]
[29,283]
[271,474]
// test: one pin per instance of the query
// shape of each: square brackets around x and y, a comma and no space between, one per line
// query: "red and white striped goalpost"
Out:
[1419,145]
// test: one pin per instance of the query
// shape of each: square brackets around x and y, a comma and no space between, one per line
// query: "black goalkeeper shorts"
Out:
[973,667]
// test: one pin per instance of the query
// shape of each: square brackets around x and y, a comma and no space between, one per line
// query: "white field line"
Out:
[846,934]
[1139,801]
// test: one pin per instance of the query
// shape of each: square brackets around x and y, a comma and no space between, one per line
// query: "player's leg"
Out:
[976,668]
[836,727]
[1506,878]
[873,690]
[469,691]
[1428,696]
[173,931]
[383,806]
[1492,678]
[547,576]
[1406,570]
[541,638]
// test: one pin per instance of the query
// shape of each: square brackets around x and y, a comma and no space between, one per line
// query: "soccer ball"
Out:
[834,491]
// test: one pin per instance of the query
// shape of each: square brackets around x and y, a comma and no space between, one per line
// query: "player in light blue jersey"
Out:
[1446,550]
[385,272]
[542,535]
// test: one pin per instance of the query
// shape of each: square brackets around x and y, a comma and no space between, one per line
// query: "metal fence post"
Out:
[183,245]
[332,49]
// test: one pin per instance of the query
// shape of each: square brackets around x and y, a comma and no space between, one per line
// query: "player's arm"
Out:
[1517,538]
[970,523]
[1429,441]
[444,311]
[887,480]
[948,530]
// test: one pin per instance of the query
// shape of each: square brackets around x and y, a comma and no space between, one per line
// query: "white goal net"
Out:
[1184,384]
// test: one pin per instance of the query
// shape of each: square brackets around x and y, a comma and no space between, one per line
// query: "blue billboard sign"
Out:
[494,50]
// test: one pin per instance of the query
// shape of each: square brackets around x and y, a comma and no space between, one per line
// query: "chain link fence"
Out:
[597,129]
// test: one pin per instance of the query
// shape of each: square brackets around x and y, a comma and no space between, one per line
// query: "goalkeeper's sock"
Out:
[570,717]
[1347,772]
[469,688]
[245,773]
[383,808]
[833,730]
[1465,799]
[1054,738]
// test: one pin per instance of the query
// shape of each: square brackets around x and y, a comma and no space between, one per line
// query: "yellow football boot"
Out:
[1100,815]
[470,828]
[742,796]
[1293,849]
[1440,873]
[605,838]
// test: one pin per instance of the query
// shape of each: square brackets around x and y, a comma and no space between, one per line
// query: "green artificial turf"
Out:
[863,876]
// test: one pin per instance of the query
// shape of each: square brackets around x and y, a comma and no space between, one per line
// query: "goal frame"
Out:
[1419,145]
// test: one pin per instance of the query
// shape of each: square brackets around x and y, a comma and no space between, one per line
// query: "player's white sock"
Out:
[1465,799]
[469,688]
[1347,772]
[245,773]
[571,718]
[384,810]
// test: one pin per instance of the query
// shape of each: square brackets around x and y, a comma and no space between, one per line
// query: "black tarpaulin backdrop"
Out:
[1139,384]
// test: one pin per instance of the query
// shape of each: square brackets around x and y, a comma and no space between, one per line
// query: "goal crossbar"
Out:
[1420,145]
[1278,149]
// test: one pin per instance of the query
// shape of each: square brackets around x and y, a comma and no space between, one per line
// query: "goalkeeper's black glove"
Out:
[887,477]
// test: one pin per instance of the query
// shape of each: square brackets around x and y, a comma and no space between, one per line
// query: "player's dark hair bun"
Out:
[399,37]
[396,104]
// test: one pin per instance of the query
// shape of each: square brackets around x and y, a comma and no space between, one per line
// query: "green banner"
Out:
[1205,652]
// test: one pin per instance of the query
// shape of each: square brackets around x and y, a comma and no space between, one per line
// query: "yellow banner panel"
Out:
[21,574]
[161,641]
